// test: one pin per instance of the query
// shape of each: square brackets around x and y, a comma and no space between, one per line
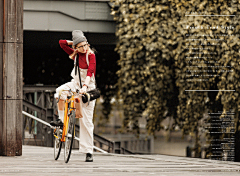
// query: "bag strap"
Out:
[79,77]
[76,64]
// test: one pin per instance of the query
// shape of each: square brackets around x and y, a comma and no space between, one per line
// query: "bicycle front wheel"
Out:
[69,137]
[57,148]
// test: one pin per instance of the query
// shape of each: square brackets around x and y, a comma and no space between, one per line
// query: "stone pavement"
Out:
[38,161]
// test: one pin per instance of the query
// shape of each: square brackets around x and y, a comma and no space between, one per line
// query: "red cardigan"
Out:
[82,58]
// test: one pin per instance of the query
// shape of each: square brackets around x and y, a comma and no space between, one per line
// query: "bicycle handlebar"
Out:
[70,91]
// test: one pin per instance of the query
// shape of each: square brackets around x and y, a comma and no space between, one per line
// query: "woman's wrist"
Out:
[69,42]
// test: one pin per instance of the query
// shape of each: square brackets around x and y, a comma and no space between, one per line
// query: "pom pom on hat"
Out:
[78,37]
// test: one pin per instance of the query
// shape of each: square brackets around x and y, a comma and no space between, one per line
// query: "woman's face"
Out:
[82,47]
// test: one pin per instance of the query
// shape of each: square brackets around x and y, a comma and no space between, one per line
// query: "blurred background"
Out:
[141,71]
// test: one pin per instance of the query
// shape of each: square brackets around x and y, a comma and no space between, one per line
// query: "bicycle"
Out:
[66,135]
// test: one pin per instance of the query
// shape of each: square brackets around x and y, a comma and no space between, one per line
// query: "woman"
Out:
[87,64]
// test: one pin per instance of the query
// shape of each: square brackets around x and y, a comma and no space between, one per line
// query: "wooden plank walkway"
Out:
[38,161]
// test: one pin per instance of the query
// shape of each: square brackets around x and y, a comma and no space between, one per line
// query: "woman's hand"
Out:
[72,56]
[85,85]
[83,89]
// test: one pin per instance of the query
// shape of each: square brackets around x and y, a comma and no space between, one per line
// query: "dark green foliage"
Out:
[145,75]
[154,47]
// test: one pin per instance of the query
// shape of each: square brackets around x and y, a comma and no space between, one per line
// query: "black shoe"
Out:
[89,157]
[58,122]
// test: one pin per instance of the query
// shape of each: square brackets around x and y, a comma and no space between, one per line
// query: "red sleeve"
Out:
[92,65]
[65,47]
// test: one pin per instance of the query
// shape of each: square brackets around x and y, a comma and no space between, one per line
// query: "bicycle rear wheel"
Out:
[57,147]
[69,137]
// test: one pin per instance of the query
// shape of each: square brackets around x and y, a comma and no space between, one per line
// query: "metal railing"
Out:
[47,124]
[40,134]
[39,102]
[35,133]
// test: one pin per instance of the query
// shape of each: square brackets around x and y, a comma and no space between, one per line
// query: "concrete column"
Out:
[11,66]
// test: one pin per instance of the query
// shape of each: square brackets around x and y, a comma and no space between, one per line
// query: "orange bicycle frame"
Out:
[66,117]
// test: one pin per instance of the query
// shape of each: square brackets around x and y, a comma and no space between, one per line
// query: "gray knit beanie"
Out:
[78,37]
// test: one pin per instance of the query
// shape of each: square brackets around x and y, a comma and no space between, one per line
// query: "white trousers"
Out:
[85,123]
